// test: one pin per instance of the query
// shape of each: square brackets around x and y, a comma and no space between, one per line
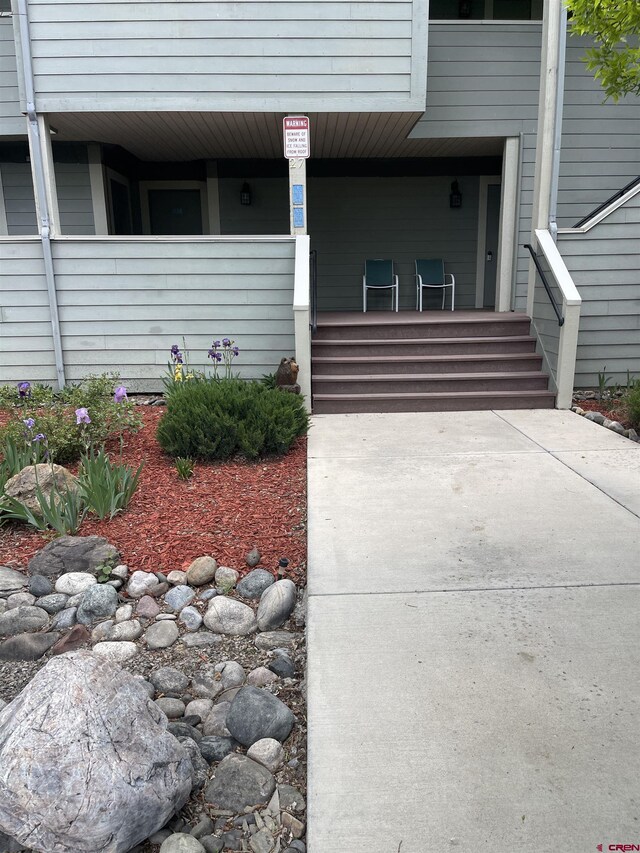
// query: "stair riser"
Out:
[453,329]
[348,406]
[506,345]
[429,386]
[444,366]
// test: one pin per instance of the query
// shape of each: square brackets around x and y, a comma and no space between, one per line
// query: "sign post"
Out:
[297,149]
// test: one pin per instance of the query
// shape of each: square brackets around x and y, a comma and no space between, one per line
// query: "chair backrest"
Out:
[378,272]
[431,270]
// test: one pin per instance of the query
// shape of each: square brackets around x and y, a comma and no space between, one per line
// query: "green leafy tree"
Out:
[615,27]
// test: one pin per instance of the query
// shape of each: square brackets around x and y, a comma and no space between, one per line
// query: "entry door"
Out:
[173,210]
[492,235]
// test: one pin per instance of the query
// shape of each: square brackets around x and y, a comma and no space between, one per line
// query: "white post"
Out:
[98,196]
[509,218]
[545,139]
[298,197]
[213,197]
[302,316]
[46,153]
[567,351]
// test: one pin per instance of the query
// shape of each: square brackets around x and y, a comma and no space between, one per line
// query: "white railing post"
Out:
[302,316]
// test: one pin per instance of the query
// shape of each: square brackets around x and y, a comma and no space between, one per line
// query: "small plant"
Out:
[223,352]
[603,381]
[104,571]
[63,512]
[268,380]
[209,419]
[106,488]
[184,467]
[633,402]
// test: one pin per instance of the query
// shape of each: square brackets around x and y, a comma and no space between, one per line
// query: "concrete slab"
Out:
[616,472]
[415,434]
[462,521]
[554,429]
[462,722]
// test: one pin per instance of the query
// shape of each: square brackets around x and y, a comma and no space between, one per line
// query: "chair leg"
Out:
[397,290]
[453,291]
[364,299]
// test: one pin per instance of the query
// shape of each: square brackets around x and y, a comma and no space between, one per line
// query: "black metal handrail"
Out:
[313,283]
[543,277]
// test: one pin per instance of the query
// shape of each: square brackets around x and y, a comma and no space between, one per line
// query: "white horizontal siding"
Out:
[123,303]
[604,264]
[316,55]
[12,122]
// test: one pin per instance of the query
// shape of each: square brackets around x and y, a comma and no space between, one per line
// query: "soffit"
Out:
[159,136]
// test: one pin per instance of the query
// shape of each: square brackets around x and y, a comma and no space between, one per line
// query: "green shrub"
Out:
[216,419]
[633,401]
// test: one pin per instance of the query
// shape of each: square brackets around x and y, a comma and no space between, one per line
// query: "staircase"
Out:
[426,362]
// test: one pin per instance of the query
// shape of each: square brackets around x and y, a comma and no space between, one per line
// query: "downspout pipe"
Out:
[559,108]
[44,219]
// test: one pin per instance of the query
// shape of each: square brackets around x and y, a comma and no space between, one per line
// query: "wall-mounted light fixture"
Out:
[455,196]
[245,194]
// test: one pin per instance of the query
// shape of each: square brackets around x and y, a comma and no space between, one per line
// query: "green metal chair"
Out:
[378,275]
[430,273]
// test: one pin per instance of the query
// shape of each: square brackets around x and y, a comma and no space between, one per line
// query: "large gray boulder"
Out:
[73,554]
[86,762]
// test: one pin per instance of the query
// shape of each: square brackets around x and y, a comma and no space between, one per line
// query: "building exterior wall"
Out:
[123,303]
[263,55]
[604,264]
[12,122]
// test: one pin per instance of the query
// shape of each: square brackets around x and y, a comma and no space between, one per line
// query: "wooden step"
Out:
[436,402]
[383,347]
[428,383]
[412,324]
[397,364]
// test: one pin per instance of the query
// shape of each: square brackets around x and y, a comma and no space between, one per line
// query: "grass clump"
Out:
[633,402]
[209,419]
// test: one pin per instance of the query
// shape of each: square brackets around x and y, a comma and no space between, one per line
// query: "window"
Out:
[496,10]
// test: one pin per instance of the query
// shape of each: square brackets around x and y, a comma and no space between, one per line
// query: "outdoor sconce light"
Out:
[245,194]
[455,196]
[464,9]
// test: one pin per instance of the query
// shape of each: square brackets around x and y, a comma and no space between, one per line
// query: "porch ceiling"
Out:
[163,136]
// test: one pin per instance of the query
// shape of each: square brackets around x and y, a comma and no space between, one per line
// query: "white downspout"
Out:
[559,108]
[44,219]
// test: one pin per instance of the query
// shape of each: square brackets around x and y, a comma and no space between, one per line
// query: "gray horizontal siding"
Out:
[352,219]
[122,304]
[316,55]
[12,122]
[604,263]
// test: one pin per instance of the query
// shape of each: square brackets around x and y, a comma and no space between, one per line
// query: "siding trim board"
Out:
[605,210]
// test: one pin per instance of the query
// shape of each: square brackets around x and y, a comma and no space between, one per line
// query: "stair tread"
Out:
[415,395]
[421,318]
[401,359]
[413,341]
[430,377]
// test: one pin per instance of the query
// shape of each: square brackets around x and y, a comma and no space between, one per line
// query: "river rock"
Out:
[201,639]
[257,714]
[226,577]
[227,616]
[180,842]
[190,618]
[98,602]
[74,583]
[201,571]
[253,558]
[178,597]
[86,761]
[274,639]
[255,583]
[118,652]
[64,618]
[124,613]
[261,677]
[173,708]
[276,605]
[239,783]
[215,748]
[177,577]
[230,674]
[168,680]
[22,620]
[27,646]
[10,580]
[141,583]
[77,637]
[268,752]
[16,599]
[215,723]
[73,554]
[127,631]
[53,603]
[147,607]
[46,477]
[40,586]
[161,635]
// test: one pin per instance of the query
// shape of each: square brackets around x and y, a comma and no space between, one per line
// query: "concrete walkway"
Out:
[474,634]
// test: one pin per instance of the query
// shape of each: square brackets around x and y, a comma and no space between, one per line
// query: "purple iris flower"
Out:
[226,342]
[39,437]
[24,389]
[175,349]
[29,423]
[177,357]
[218,356]
[236,351]
[211,353]
[215,344]
[82,416]
[120,394]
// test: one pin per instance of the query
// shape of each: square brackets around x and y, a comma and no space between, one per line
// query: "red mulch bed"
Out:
[615,410]
[224,510]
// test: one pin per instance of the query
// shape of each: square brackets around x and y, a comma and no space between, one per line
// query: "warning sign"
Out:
[296,137]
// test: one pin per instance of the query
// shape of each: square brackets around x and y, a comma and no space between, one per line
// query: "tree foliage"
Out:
[615,27]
